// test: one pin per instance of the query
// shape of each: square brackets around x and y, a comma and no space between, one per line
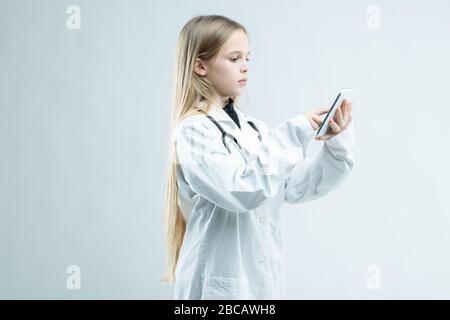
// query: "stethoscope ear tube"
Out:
[254,127]
[224,143]
[224,134]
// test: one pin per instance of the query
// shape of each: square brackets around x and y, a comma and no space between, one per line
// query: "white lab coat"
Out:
[233,245]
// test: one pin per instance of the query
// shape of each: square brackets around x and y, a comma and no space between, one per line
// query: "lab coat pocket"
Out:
[217,288]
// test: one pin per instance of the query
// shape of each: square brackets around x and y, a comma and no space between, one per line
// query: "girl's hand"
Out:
[339,123]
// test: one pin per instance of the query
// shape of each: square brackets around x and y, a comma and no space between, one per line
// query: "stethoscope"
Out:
[233,138]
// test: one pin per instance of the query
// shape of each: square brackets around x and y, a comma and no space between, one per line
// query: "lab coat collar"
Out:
[221,115]
[246,135]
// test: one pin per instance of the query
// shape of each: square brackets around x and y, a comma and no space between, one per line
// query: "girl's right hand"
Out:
[316,116]
[341,121]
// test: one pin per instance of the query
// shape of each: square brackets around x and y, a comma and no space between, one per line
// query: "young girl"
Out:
[230,174]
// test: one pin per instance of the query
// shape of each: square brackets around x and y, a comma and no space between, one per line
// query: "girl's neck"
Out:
[222,101]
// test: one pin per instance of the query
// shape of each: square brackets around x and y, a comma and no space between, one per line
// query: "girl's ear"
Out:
[200,67]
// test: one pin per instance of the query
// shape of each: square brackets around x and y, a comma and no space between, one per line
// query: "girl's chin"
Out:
[238,91]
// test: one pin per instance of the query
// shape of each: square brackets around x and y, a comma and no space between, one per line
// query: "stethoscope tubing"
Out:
[225,134]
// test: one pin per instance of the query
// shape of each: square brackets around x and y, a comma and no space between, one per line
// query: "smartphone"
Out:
[345,94]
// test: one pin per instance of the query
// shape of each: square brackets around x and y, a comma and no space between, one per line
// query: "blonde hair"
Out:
[201,37]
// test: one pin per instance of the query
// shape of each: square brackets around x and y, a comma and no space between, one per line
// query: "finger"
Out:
[313,123]
[334,126]
[349,120]
[339,118]
[345,111]
[350,107]
[325,136]
[317,119]
[321,110]
[347,117]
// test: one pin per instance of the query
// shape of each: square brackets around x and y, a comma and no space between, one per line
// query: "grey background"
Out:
[84,132]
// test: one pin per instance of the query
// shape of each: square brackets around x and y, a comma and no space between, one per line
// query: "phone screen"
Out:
[345,94]
[325,120]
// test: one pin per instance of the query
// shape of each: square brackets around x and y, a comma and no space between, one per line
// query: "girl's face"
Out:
[228,67]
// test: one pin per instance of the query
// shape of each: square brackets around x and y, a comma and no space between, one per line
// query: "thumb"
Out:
[321,110]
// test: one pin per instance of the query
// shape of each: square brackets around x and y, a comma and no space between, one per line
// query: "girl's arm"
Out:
[316,177]
[229,181]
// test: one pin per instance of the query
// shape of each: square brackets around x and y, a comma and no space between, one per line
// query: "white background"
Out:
[84,120]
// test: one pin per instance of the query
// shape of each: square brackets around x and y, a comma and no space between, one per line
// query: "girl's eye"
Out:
[234,59]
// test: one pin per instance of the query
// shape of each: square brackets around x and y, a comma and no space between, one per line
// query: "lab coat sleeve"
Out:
[229,181]
[315,177]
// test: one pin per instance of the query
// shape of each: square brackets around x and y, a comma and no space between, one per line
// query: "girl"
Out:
[230,173]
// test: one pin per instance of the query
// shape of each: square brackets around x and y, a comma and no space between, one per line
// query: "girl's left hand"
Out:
[339,123]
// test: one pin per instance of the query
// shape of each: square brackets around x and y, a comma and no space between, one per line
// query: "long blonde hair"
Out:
[201,37]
